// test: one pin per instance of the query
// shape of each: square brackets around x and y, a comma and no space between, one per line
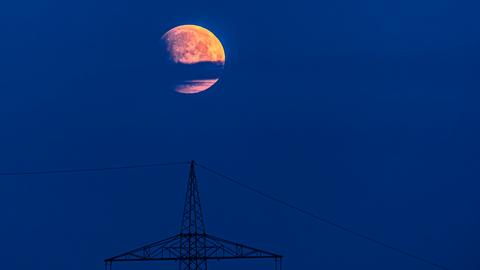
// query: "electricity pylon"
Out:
[193,247]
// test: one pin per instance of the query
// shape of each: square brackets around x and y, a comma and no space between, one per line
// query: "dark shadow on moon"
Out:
[200,71]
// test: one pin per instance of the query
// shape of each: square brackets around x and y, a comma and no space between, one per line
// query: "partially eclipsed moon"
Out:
[197,54]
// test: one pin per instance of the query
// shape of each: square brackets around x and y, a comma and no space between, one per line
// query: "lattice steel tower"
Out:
[192,235]
[193,247]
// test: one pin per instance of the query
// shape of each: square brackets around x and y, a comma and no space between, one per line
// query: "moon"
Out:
[195,58]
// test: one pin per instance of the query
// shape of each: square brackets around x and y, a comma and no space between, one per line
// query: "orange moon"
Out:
[195,48]
[191,44]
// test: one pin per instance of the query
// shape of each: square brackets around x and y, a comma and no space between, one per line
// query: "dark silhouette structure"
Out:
[193,247]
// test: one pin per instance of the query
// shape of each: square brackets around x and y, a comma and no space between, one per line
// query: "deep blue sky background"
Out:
[365,112]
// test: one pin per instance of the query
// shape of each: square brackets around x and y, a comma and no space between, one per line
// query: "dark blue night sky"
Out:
[364,112]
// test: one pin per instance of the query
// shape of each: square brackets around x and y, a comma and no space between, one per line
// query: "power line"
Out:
[245,186]
[322,219]
[113,168]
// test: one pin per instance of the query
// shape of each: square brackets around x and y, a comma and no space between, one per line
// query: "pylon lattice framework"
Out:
[193,247]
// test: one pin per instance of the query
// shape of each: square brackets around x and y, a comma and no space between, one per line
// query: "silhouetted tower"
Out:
[192,234]
[193,247]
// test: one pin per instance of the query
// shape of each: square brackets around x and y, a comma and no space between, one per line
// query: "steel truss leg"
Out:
[278,263]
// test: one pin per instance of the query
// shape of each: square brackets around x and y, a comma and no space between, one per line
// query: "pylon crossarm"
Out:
[225,249]
[166,249]
[215,248]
